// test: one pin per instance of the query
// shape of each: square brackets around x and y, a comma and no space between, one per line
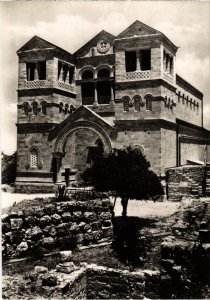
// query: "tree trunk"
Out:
[124,205]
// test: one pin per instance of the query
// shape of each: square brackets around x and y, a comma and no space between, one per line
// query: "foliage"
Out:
[8,168]
[125,172]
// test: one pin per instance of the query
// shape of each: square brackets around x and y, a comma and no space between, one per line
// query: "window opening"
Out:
[126,101]
[26,108]
[87,74]
[137,103]
[88,91]
[92,52]
[60,107]
[103,73]
[35,108]
[44,107]
[34,158]
[149,103]
[130,61]
[36,71]
[145,59]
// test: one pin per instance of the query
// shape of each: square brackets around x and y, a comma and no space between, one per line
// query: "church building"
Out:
[113,92]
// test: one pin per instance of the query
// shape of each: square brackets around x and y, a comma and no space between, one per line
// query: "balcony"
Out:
[168,77]
[65,86]
[137,75]
[38,84]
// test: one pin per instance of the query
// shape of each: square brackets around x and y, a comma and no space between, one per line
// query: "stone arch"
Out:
[86,68]
[103,67]
[69,129]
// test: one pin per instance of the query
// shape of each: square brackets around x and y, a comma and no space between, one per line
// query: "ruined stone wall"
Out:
[185,255]
[108,283]
[185,181]
[56,226]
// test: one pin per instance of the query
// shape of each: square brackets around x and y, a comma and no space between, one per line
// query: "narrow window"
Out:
[59,69]
[34,158]
[65,72]
[41,68]
[71,74]
[148,103]
[30,68]
[130,61]
[44,107]
[60,107]
[145,59]
[66,108]
[92,52]
[35,108]
[137,103]
[26,108]
[126,101]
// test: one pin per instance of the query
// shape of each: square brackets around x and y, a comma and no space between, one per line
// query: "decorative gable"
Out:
[137,29]
[83,113]
[100,44]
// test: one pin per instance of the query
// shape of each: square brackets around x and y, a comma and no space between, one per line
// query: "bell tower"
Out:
[46,96]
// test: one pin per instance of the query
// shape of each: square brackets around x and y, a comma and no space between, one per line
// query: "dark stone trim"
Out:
[192,139]
[157,123]
[34,174]
[45,91]
[80,81]
[35,128]
[187,124]
[120,85]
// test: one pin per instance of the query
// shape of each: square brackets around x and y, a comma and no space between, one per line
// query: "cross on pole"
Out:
[67,174]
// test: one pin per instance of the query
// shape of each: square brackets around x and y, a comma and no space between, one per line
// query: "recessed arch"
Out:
[85,69]
[73,127]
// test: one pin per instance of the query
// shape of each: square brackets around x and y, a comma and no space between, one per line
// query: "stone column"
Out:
[112,94]
[36,75]
[95,103]
[57,159]
[138,66]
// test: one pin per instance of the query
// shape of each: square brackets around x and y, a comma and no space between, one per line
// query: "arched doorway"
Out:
[80,146]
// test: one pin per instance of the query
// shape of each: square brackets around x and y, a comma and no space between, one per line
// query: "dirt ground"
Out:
[136,208]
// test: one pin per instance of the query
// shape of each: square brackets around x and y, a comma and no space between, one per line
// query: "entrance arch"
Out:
[75,143]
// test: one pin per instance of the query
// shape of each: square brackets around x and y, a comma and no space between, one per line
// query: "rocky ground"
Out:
[150,224]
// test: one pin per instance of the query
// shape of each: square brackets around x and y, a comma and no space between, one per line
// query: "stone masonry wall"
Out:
[56,226]
[108,283]
[185,255]
[185,181]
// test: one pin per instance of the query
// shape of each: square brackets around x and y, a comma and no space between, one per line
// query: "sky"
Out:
[70,24]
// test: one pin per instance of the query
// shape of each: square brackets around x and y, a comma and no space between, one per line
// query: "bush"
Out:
[8,168]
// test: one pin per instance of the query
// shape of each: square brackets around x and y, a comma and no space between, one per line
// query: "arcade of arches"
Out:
[99,90]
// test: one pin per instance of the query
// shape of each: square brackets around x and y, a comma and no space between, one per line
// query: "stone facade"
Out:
[112,92]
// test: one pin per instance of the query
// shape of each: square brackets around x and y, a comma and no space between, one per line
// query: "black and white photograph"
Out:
[105,149]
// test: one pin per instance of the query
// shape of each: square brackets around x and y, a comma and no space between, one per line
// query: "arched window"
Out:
[148,103]
[183,98]
[60,107]
[35,108]
[126,102]
[103,73]
[88,74]
[26,108]
[66,108]
[33,158]
[44,107]
[92,52]
[137,100]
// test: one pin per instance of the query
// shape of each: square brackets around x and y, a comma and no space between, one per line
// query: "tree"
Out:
[8,165]
[127,173]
